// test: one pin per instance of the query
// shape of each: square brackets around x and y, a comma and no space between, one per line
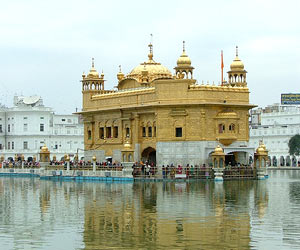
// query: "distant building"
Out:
[275,125]
[28,125]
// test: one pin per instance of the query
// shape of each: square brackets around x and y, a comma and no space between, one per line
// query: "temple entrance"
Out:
[149,155]
[237,158]
[230,159]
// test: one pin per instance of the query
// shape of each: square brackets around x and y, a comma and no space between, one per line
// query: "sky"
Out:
[45,46]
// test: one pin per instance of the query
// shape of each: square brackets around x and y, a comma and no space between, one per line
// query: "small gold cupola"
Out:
[93,72]
[237,73]
[184,68]
[92,81]
[120,75]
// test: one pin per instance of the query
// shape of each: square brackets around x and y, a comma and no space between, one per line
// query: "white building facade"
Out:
[29,125]
[275,125]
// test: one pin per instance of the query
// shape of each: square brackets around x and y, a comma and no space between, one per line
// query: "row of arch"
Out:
[223,128]
[288,161]
[109,129]
[236,78]
[184,74]
[281,161]
[148,129]
[92,86]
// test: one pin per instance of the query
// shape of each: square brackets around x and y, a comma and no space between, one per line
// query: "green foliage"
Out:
[294,145]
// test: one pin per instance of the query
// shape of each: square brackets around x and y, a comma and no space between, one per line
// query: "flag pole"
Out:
[222,66]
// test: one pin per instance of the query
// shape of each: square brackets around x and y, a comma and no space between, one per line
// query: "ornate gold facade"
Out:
[165,117]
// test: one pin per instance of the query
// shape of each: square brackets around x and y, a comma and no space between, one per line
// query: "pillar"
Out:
[67,159]
[94,163]
[22,160]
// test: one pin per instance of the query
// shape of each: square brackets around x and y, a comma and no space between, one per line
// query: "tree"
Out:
[294,145]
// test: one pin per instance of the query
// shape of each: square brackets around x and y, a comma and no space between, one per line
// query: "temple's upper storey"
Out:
[146,74]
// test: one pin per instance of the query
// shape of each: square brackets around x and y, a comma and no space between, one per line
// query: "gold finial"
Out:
[150,56]
[183,46]
[93,65]
[236,51]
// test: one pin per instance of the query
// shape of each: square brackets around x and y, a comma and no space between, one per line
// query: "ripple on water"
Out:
[37,214]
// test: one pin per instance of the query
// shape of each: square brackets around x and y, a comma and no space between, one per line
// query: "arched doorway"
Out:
[294,161]
[149,155]
[282,161]
[230,159]
[236,158]
[274,160]
[250,160]
[288,161]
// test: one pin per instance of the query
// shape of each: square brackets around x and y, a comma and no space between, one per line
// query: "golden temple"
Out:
[165,118]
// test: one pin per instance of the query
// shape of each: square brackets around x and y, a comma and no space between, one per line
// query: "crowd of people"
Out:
[170,171]
[18,164]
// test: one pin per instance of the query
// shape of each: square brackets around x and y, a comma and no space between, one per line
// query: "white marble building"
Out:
[28,125]
[275,125]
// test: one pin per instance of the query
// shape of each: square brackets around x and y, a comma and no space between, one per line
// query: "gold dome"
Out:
[218,149]
[67,157]
[237,64]
[155,70]
[94,158]
[93,72]
[44,148]
[127,144]
[184,60]
[260,150]
[263,146]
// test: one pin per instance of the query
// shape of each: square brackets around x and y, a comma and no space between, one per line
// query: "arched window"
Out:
[231,127]
[149,131]
[221,163]
[127,132]
[263,163]
[116,131]
[89,134]
[215,163]
[101,132]
[221,128]
[130,157]
[143,131]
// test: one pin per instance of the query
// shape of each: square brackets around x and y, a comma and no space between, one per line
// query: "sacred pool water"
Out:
[38,214]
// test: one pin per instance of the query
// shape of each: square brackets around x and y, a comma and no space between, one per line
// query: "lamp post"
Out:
[67,159]
[22,160]
[94,163]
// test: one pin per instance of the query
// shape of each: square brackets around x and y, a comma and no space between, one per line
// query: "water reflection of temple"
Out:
[154,215]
